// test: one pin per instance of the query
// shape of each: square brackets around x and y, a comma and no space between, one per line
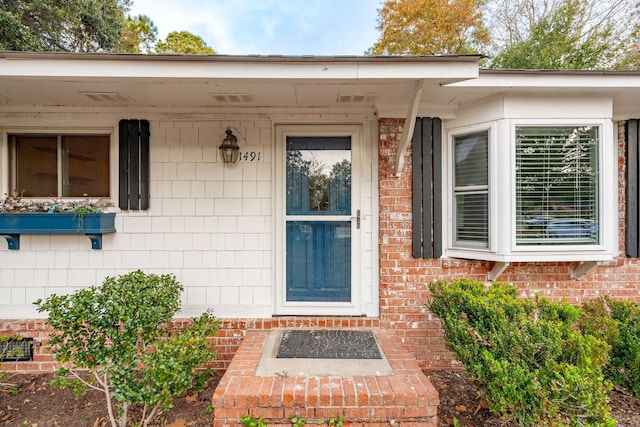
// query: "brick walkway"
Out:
[404,398]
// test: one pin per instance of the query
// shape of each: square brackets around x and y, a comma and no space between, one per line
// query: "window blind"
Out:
[556,185]
[471,189]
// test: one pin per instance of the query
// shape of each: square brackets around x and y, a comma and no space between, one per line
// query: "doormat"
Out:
[328,344]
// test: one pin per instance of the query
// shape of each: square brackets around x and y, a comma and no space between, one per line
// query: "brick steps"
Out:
[405,397]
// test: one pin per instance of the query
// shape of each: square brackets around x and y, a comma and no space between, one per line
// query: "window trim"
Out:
[449,188]
[502,196]
[607,148]
[5,146]
[468,190]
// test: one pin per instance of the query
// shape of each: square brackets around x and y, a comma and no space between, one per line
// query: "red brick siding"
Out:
[404,280]
[225,344]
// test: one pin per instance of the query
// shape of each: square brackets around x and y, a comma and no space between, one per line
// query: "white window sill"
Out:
[546,254]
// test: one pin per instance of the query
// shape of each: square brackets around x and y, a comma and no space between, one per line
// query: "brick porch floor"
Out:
[405,397]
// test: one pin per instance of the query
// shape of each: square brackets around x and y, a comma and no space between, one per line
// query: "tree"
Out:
[430,27]
[62,25]
[14,35]
[184,42]
[564,34]
[139,36]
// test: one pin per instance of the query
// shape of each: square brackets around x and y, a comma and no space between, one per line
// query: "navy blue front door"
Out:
[318,219]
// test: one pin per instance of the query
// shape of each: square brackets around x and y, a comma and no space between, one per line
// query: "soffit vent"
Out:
[232,98]
[357,99]
[107,97]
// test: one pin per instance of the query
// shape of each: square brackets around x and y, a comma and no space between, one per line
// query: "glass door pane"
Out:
[318,222]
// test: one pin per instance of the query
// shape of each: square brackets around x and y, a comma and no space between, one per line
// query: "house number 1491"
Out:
[249,156]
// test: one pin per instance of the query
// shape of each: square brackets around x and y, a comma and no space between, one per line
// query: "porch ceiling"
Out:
[345,83]
[37,81]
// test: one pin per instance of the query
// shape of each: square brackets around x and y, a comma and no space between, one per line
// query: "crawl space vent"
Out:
[16,350]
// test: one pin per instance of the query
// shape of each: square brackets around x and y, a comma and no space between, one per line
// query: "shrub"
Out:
[618,323]
[120,334]
[531,361]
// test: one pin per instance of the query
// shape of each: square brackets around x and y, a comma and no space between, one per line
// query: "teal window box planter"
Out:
[93,225]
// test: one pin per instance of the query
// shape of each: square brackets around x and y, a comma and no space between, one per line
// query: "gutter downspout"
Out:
[409,125]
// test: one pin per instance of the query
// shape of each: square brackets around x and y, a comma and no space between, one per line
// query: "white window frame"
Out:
[502,196]
[110,132]
[607,210]
[449,188]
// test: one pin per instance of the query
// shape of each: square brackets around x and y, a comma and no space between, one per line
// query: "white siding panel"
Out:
[31,294]
[136,224]
[187,171]
[79,259]
[81,278]
[154,242]
[196,295]
[7,278]
[228,207]
[24,278]
[18,295]
[5,294]
[229,295]
[160,224]
[159,259]
[210,224]
[58,278]
[158,154]
[40,242]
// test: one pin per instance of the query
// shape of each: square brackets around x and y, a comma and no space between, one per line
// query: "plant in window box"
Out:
[25,216]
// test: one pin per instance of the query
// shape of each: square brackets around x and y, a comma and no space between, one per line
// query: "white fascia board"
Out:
[542,79]
[441,71]
[88,68]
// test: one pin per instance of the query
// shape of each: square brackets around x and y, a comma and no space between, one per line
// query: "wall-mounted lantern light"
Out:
[229,148]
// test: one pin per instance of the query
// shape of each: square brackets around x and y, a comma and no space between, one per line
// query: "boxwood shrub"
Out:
[618,323]
[528,356]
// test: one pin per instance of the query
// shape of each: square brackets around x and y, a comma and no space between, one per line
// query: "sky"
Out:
[269,27]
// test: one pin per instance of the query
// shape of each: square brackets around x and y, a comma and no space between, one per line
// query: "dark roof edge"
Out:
[561,72]
[238,58]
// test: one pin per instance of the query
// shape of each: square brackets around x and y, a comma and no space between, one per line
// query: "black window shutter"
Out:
[426,188]
[633,197]
[134,165]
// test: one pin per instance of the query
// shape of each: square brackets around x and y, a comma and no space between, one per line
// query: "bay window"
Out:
[531,190]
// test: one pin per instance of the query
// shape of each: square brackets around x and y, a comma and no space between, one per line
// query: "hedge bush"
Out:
[618,323]
[530,359]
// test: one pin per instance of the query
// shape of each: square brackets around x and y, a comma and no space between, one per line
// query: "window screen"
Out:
[471,189]
[556,185]
[60,166]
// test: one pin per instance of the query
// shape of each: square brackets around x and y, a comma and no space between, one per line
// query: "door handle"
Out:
[357,218]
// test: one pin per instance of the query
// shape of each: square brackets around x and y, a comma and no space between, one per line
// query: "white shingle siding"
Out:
[208,223]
